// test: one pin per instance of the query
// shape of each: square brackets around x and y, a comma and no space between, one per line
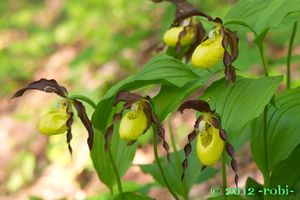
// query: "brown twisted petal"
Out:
[161,134]
[69,132]
[232,39]
[215,122]
[85,121]
[188,146]
[230,151]
[223,134]
[108,136]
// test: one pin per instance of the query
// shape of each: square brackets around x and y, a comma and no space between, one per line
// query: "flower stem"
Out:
[263,58]
[160,166]
[224,175]
[288,60]
[266,174]
[119,183]
[173,142]
[83,98]
[177,157]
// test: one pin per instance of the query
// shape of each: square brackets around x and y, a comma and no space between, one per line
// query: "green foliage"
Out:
[122,155]
[160,70]
[173,172]
[280,131]
[262,15]
[246,107]
[286,172]
[236,103]
[256,186]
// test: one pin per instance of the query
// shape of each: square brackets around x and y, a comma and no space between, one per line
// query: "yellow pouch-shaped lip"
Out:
[53,123]
[209,146]
[171,36]
[208,53]
[132,125]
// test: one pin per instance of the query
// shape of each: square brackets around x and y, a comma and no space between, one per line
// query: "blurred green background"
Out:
[87,46]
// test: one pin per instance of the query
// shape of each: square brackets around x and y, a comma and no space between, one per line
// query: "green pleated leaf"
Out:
[170,97]
[282,131]
[173,172]
[256,191]
[287,173]
[239,103]
[122,154]
[247,11]
[262,15]
[276,11]
[252,188]
[161,69]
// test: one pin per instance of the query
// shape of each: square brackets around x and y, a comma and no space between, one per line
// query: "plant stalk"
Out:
[84,99]
[177,157]
[266,174]
[224,175]
[289,55]
[265,118]
[160,166]
[263,59]
[119,183]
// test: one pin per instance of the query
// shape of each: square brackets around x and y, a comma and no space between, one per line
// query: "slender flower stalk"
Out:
[289,55]
[115,169]
[224,175]
[265,116]
[84,99]
[157,160]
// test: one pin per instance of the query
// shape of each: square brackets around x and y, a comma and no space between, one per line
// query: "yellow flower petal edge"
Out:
[171,36]
[209,146]
[132,125]
[208,53]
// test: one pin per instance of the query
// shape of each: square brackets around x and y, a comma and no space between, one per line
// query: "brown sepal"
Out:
[45,85]
[127,97]
[185,10]
[199,105]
